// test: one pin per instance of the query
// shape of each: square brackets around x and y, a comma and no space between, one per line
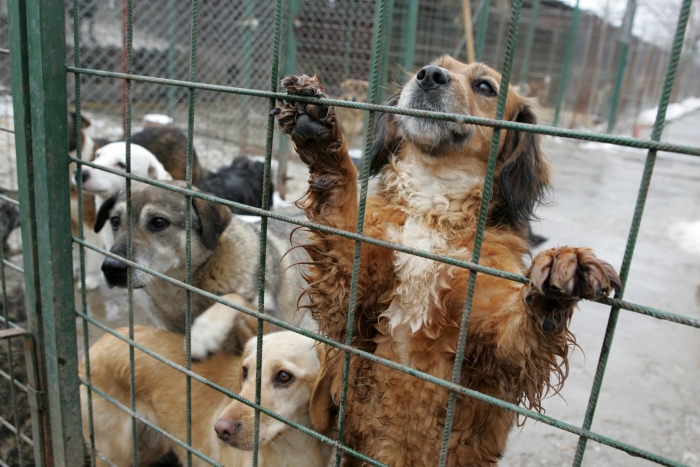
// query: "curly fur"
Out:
[409,308]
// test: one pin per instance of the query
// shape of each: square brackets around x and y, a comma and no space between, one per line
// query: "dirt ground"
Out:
[651,392]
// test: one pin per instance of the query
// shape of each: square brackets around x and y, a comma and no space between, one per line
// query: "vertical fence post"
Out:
[624,39]
[531,28]
[409,42]
[47,83]
[483,26]
[19,62]
[385,52]
[172,16]
[567,62]
[349,33]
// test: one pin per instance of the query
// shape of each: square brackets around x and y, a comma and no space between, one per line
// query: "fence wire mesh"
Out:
[215,61]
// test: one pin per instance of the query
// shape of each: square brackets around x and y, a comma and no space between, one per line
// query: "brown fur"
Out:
[160,398]
[518,340]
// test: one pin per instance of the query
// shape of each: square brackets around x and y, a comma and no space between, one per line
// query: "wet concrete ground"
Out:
[650,395]
[651,391]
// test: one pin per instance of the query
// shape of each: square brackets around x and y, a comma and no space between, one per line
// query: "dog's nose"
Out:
[86,174]
[115,272]
[225,429]
[432,77]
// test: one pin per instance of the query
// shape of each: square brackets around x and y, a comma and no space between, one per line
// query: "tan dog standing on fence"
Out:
[293,386]
[409,309]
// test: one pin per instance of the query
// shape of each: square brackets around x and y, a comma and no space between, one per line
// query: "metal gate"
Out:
[39,82]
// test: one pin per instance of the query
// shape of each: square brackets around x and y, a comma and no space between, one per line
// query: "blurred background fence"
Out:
[581,66]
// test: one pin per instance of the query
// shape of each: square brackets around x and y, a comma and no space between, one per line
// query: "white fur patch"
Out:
[418,287]
[210,329]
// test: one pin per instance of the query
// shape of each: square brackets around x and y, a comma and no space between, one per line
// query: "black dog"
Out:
[242,182]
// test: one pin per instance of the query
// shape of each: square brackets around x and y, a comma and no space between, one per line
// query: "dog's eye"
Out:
[121,165]
[115,222]
[284,377]
[245,373]
[158,223]
[485,88]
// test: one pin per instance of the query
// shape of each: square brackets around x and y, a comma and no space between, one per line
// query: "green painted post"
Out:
[290,62]
[532,26]
[567,62]
[409,42]
[171,54]
[386,52]
[483,26]
[349,32]
[47,84]
[624,40]
[19,64]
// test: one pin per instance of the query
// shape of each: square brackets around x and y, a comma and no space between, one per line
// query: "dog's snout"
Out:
[225,429]
[432,77]
[86,174]
[115,271]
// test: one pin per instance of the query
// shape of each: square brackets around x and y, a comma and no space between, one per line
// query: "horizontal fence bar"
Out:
[8,323]
[631,450]
[13,429]
[13,266]
[506,125]
[14,381]
[221,389]
[395,366]
[4,52]
[7,198]
[7,130]
[641,309]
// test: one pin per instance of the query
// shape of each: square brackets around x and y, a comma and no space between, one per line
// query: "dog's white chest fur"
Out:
[420,279]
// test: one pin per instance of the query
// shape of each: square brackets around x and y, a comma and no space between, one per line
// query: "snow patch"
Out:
[674,111]
[687,236]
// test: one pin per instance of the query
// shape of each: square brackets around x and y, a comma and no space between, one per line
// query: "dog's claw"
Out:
[572,273]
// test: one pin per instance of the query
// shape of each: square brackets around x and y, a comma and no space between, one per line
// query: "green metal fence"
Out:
[39,77]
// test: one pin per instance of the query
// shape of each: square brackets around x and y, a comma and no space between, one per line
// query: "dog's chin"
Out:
[243,445]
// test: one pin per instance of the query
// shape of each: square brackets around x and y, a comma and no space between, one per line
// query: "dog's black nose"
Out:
[432,77]
[225,429]
[86,174]
[115,272]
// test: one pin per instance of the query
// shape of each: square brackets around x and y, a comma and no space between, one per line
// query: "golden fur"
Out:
[352,122]
[409,309]
[161,393]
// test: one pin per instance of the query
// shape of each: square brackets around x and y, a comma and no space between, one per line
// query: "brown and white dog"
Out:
[409,308]
[293,386]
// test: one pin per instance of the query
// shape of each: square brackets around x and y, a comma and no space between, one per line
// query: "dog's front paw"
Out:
[570,273]
[208,336]
[308,124]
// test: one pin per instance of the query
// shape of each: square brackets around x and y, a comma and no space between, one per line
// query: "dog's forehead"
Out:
[285,348]
[154,197]
[473,70]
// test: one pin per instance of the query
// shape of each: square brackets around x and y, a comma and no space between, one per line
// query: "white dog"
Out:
[104,184]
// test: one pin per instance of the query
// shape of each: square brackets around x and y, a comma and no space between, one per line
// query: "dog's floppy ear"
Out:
[103,213]
[386,141]
[213,220]
[322,408]
[523,174]
[156,171]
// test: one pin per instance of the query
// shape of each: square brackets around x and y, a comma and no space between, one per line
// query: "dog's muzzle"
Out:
[115,272]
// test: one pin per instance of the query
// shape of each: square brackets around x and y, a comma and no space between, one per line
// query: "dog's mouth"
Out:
[427,133]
